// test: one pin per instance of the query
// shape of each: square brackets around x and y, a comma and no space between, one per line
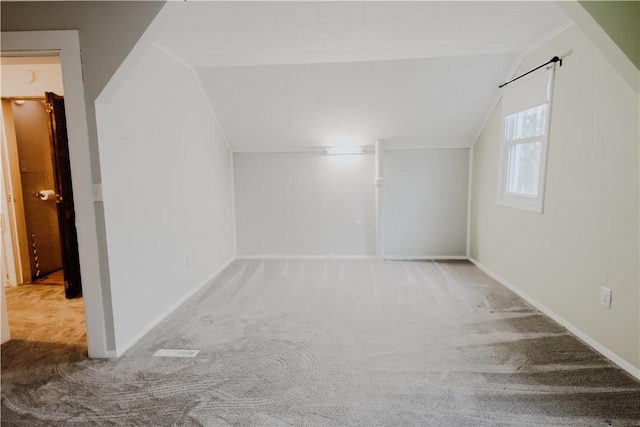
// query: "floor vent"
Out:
[169,352]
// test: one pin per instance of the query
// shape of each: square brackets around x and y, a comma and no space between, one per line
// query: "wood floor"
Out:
[46,328]
[55,278]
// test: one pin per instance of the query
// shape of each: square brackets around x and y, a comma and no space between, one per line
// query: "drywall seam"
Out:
[123,348]
[173,55]
[544,39]
[560,320]
[139,49]
[196,78]
[514,67]
[198,81]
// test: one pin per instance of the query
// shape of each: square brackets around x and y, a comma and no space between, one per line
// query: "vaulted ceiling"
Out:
[297,75]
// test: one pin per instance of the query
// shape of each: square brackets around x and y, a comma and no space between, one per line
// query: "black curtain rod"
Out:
[551,61]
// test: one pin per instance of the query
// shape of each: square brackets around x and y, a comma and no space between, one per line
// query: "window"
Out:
[526,111]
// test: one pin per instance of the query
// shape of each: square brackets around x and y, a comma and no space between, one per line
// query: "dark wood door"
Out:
[64,195]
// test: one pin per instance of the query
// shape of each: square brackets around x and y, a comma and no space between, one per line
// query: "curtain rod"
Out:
[551,61]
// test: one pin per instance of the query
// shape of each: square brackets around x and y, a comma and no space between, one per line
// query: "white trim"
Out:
[378,182]
[469,199]
[514,68]
[563,322]
[155,322]
[322,150]
[425,257]
[306,257]
[318,150]
[313,150]
[426,148]
[68,44]
[355,257]
[526,202]
[233,204]
[18,263]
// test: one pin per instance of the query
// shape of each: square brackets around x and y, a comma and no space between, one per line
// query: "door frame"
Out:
[15,241]
[67,44]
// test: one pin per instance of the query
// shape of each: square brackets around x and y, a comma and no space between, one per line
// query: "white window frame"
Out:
[526,202]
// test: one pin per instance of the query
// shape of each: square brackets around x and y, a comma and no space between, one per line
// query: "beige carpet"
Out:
[338,343]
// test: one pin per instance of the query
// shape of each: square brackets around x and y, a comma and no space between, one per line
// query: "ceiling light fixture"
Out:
[345,150]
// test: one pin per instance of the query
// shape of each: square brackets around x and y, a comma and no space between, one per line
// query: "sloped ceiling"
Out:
[286,76]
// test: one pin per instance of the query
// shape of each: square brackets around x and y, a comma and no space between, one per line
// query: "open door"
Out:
[64,195]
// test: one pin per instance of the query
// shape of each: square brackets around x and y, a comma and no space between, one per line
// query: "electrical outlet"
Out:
[605,297]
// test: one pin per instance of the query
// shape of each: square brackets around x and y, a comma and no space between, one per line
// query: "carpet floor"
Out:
[362,343]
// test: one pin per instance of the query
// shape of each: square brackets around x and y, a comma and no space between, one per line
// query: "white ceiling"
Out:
[292,75]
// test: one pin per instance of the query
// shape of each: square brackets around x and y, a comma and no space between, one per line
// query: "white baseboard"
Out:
[563,322]
[425,257]
[123,348]
[355,257]
[306,257]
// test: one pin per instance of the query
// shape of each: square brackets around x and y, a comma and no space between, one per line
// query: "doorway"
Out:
[97,309]
[40,248]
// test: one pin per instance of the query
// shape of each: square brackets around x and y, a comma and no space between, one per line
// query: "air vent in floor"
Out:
[169,352]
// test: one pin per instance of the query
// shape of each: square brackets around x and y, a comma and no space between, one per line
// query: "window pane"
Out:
[523,169]
[527,123]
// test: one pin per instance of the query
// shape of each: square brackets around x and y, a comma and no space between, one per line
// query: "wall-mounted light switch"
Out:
[97,192]
[605,297]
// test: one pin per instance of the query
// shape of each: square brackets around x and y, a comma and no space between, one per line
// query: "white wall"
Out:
[425,202]
[304,204]
[22,77]
[104,46]
[588,234]
[167,186]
